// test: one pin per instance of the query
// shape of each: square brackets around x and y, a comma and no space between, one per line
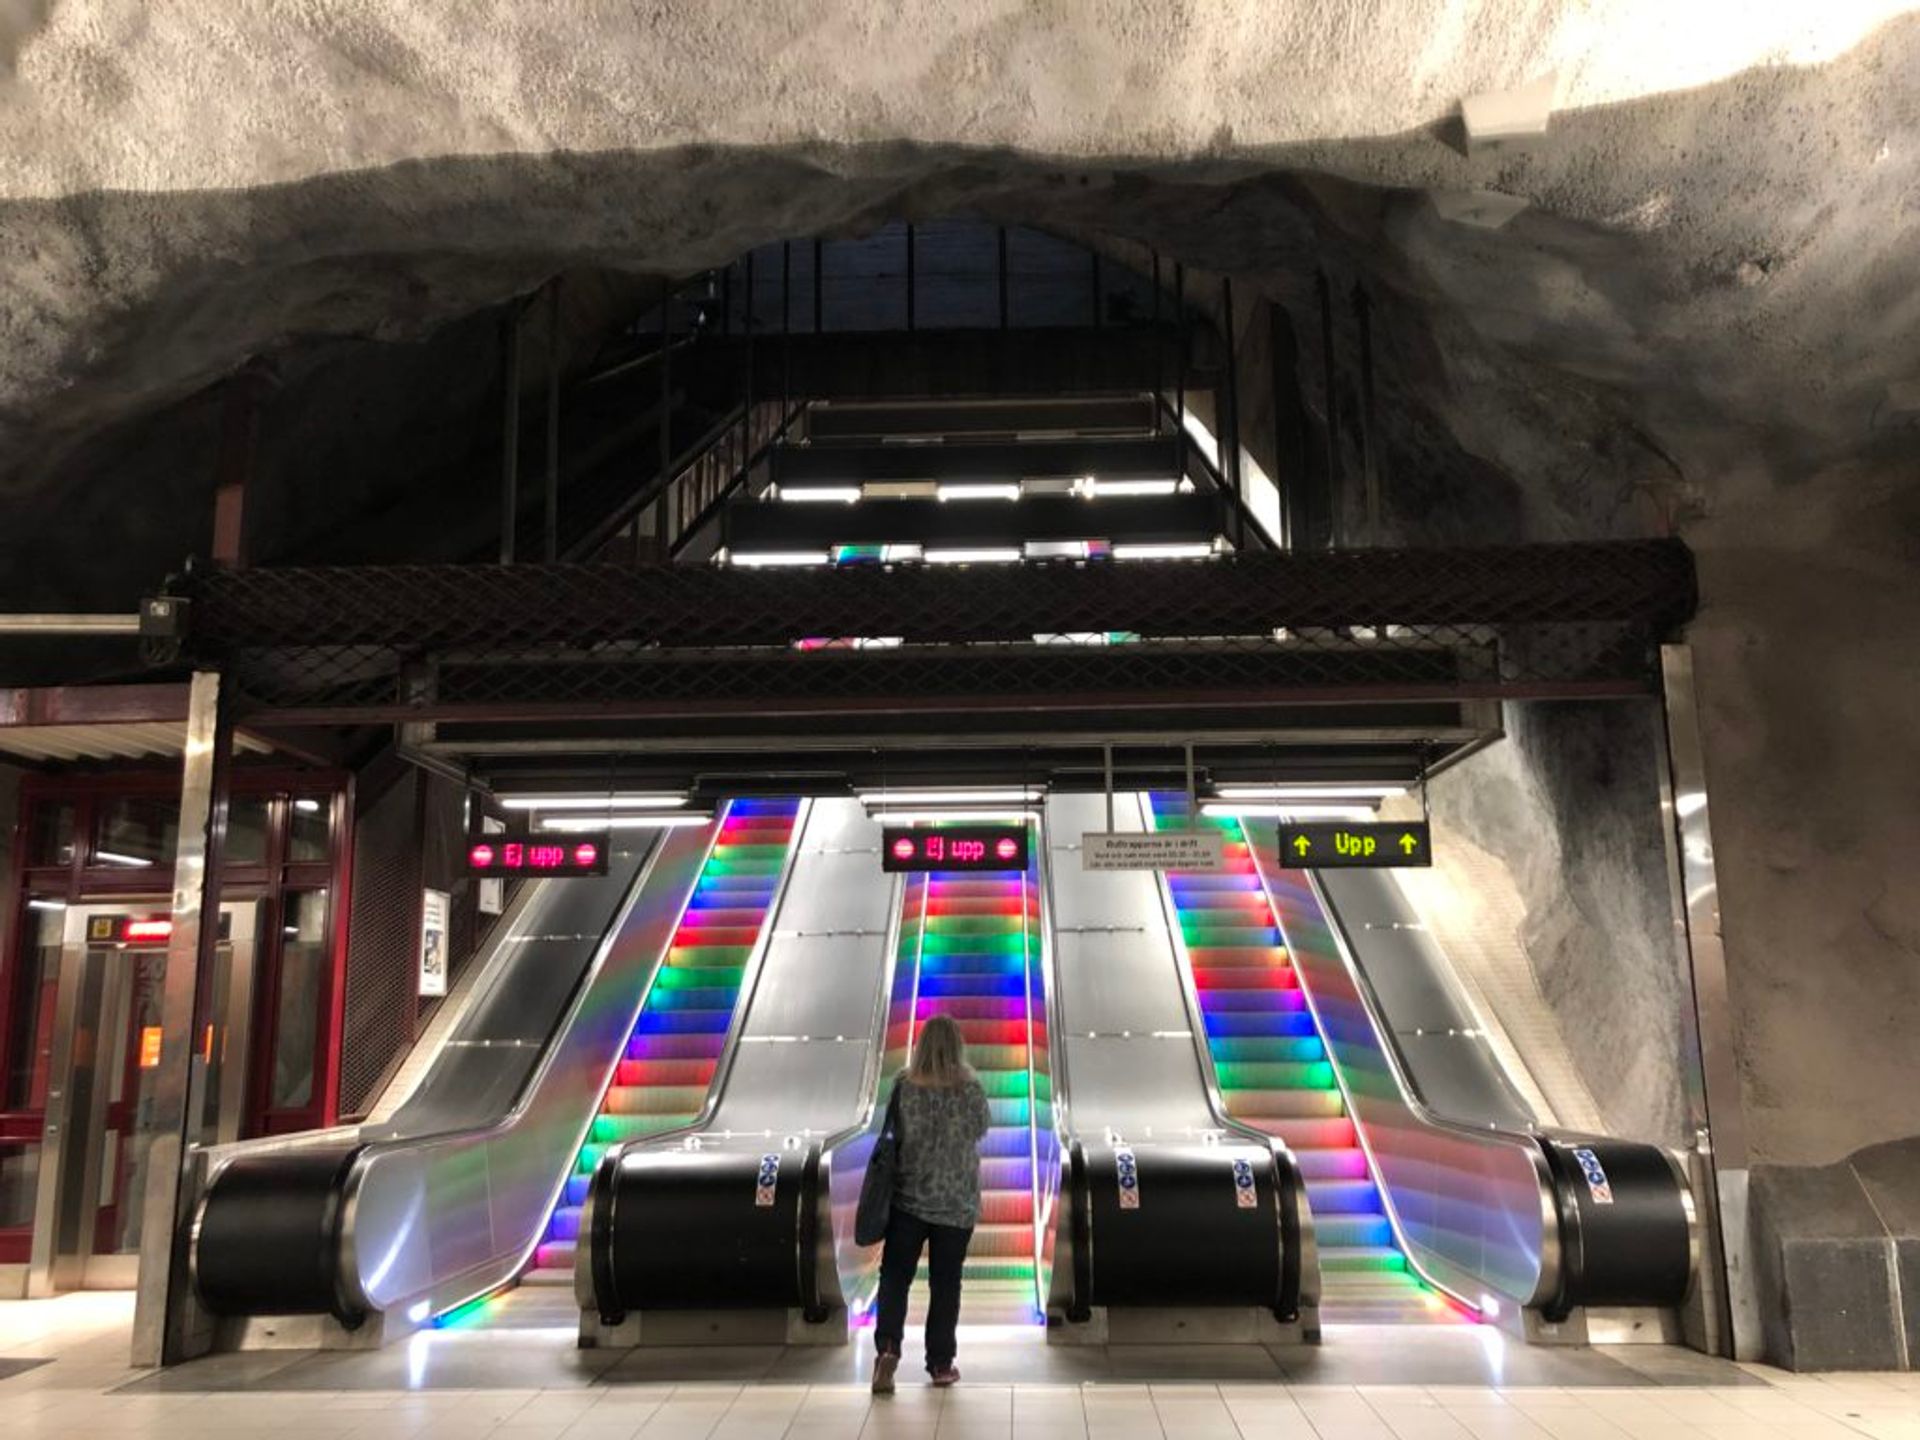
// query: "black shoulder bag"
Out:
[883,1173]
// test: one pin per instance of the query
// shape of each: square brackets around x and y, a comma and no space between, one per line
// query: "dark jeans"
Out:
[947,1252]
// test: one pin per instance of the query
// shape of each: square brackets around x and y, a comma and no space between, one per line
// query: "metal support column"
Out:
[550,545]
[819,286]
[1001,273]
[641,551]
[910,277]
[1180,366]
[509,429]
[1094,257]
[1325,292]
[1369,468]
[163,1305]
[1228,419]
[746,408]
[786,327]
[241,400]
[1159,359]
[1718,1107]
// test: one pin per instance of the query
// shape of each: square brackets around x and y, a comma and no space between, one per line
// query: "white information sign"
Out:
[436,913]
[1153,850]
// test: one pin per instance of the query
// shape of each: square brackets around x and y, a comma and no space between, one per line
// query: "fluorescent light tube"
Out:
[1285,812]
[949,797]
[588,824]
[980,556]
[1358,790]
[578,801]
[1092,488]
[999,490]
[1177,550]
[767,558]
[822,494]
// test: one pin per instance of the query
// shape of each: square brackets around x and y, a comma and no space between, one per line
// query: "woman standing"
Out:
[936,1200]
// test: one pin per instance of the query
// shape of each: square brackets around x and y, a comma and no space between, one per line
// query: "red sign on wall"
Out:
[557,855]
[954,847]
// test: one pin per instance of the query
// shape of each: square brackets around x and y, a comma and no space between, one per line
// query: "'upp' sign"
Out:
[1372,845]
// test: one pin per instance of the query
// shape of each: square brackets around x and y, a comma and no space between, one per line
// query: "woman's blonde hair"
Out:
[939,1054]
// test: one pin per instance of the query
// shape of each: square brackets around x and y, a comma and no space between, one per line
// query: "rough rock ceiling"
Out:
[1716,268]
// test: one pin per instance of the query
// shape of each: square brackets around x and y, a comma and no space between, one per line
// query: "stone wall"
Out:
[1569,802]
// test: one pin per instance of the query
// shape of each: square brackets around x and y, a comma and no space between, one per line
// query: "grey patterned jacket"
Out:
[940,1133]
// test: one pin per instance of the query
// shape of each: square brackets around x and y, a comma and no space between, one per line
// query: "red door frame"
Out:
[78,883]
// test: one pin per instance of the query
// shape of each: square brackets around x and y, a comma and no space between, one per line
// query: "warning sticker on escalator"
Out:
[767,1181]
[1244,1195]
[1596,1176]
[1126,1175]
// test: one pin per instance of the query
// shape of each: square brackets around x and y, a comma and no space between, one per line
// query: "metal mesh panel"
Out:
[441,841]
[380,945]
[421,641]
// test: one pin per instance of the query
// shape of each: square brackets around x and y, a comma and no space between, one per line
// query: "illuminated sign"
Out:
[149,1047]
[139,929]
[560,855]
[1372,846]
[954,847]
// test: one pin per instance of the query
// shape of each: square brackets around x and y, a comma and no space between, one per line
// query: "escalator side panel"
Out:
[496,1046]
[440,1219]
[1447,1058]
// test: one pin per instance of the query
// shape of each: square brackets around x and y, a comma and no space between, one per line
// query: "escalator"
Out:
[478,1176]
[1180,1223]
[978,947]
[1274,1075]
[667,1066]
[1436,1193]
[706,1228]
[740,1228]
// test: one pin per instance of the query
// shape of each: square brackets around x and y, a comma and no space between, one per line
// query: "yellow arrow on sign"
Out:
[1408,844]
[1301,844]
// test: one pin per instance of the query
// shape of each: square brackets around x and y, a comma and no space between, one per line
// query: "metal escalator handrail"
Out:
[873,1071]
[538,1074]
[1551,1259]
[217,1156]
[873,1114]
[1067,1171]
[1041,921]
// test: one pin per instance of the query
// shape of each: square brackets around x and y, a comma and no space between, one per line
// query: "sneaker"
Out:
[944,1376]
[883,1367]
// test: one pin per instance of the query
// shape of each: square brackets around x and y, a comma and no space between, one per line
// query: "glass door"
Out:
[106,1061]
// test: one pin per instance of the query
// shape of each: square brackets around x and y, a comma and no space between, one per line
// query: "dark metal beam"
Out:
[94,705]
[854,421]
[973,364]
[1145,457]
[758,525]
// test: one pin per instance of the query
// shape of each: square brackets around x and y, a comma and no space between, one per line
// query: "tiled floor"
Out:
[531,1384]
